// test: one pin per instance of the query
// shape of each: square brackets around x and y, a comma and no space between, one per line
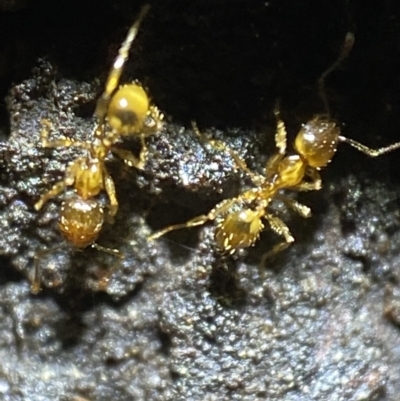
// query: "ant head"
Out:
[128,109]
[81,221]
[317,141]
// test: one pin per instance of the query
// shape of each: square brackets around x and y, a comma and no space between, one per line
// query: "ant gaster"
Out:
[240,220]
[120,111]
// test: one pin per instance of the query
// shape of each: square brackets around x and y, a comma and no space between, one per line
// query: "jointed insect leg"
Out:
[302,210]
[130,159]
[280,141]
[196,221]
[110,251]
[221,146]
[279,227]
[281,134]
[144,153]
[58,187]
[52,193]
[314,185]
[103,282]
[60,142]
[37,276]
[110,189]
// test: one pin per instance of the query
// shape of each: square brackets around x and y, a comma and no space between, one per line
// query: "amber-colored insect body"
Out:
[124,110]
[81,216]
[240,220]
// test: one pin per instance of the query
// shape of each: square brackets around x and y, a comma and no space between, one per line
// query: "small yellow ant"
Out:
[240,220]
[125,110]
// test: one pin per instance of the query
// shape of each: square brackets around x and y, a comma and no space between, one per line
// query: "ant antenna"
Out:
[369,151]
[344,52]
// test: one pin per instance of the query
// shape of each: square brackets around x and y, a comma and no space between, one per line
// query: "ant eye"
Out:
[317,141]
[128,109]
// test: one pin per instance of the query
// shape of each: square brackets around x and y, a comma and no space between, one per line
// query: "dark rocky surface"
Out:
[178,321]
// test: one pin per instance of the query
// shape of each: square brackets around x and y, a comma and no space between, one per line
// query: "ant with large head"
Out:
[240,220]
[121,110]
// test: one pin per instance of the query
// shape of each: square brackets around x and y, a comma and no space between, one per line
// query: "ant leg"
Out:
[274,251]
[154,121]
[196,221]
[116,69]
[52,193]
[37,276]
[345,51]
[302,210]
[240,163]
[220,146]
[280,141]
[314,185]
[144,153]
[130,159]
[110,251]
[36,282]
[280,134]
[110,189]
[58,187]
[103,282]
[369,151]
[58,143]
[279,227]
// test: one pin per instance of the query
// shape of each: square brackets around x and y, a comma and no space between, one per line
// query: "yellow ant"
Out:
[240,220]
[124,110]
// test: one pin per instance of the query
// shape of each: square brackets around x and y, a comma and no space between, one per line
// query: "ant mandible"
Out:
[123,110]
[240,220]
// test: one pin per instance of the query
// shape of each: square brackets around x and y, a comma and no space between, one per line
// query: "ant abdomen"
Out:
[81,221]
[317,141]
[128,109]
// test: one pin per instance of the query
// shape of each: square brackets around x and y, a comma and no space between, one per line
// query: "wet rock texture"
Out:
[177,320]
